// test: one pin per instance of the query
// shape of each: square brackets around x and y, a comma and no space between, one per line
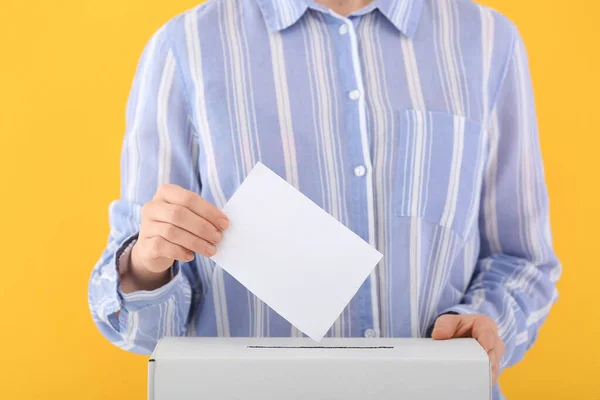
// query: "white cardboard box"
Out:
[335,369]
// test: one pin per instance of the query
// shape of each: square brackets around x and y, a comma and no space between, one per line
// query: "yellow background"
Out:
[66,67]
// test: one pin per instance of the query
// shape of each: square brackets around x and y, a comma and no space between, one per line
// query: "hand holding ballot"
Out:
[175,224]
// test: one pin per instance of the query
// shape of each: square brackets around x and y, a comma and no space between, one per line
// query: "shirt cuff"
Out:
[141,299]
[464,309]
[458,309]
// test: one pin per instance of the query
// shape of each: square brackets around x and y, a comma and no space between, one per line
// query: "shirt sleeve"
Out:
[517,270]
[159,147]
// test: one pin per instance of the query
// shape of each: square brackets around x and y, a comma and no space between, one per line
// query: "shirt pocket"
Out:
[439,166]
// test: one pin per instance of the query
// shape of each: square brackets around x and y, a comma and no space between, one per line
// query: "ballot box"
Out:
[333,369]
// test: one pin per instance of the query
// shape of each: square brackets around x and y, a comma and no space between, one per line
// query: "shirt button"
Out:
[343,29]
[354,94]
[360,170]
[370,333]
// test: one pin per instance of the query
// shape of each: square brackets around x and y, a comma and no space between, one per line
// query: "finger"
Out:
[500,348]
[486,338]
[174,194]
[445,327]
[496,355]
[495,373]
[183,218]
[495,362]
[485,331]
[181,237]
[159,247]
[492,355]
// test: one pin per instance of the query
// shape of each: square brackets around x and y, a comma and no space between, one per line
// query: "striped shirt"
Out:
[412,122]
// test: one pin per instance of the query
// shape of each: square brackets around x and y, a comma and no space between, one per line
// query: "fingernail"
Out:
[223,223]
[218,236]
[190,257]
[211,250]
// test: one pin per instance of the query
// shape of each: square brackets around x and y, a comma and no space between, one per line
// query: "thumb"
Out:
[445,327]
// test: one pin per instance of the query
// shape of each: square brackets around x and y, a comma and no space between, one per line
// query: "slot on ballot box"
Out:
[333,369]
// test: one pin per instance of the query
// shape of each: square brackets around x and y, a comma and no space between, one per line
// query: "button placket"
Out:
[362,169]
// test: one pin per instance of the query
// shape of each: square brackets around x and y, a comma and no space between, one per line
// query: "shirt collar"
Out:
[403,14]
[281,14]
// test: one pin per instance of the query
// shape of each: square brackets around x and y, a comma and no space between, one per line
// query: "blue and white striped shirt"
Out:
[412,122]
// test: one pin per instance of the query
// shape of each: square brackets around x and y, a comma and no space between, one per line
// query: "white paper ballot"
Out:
[291,254]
